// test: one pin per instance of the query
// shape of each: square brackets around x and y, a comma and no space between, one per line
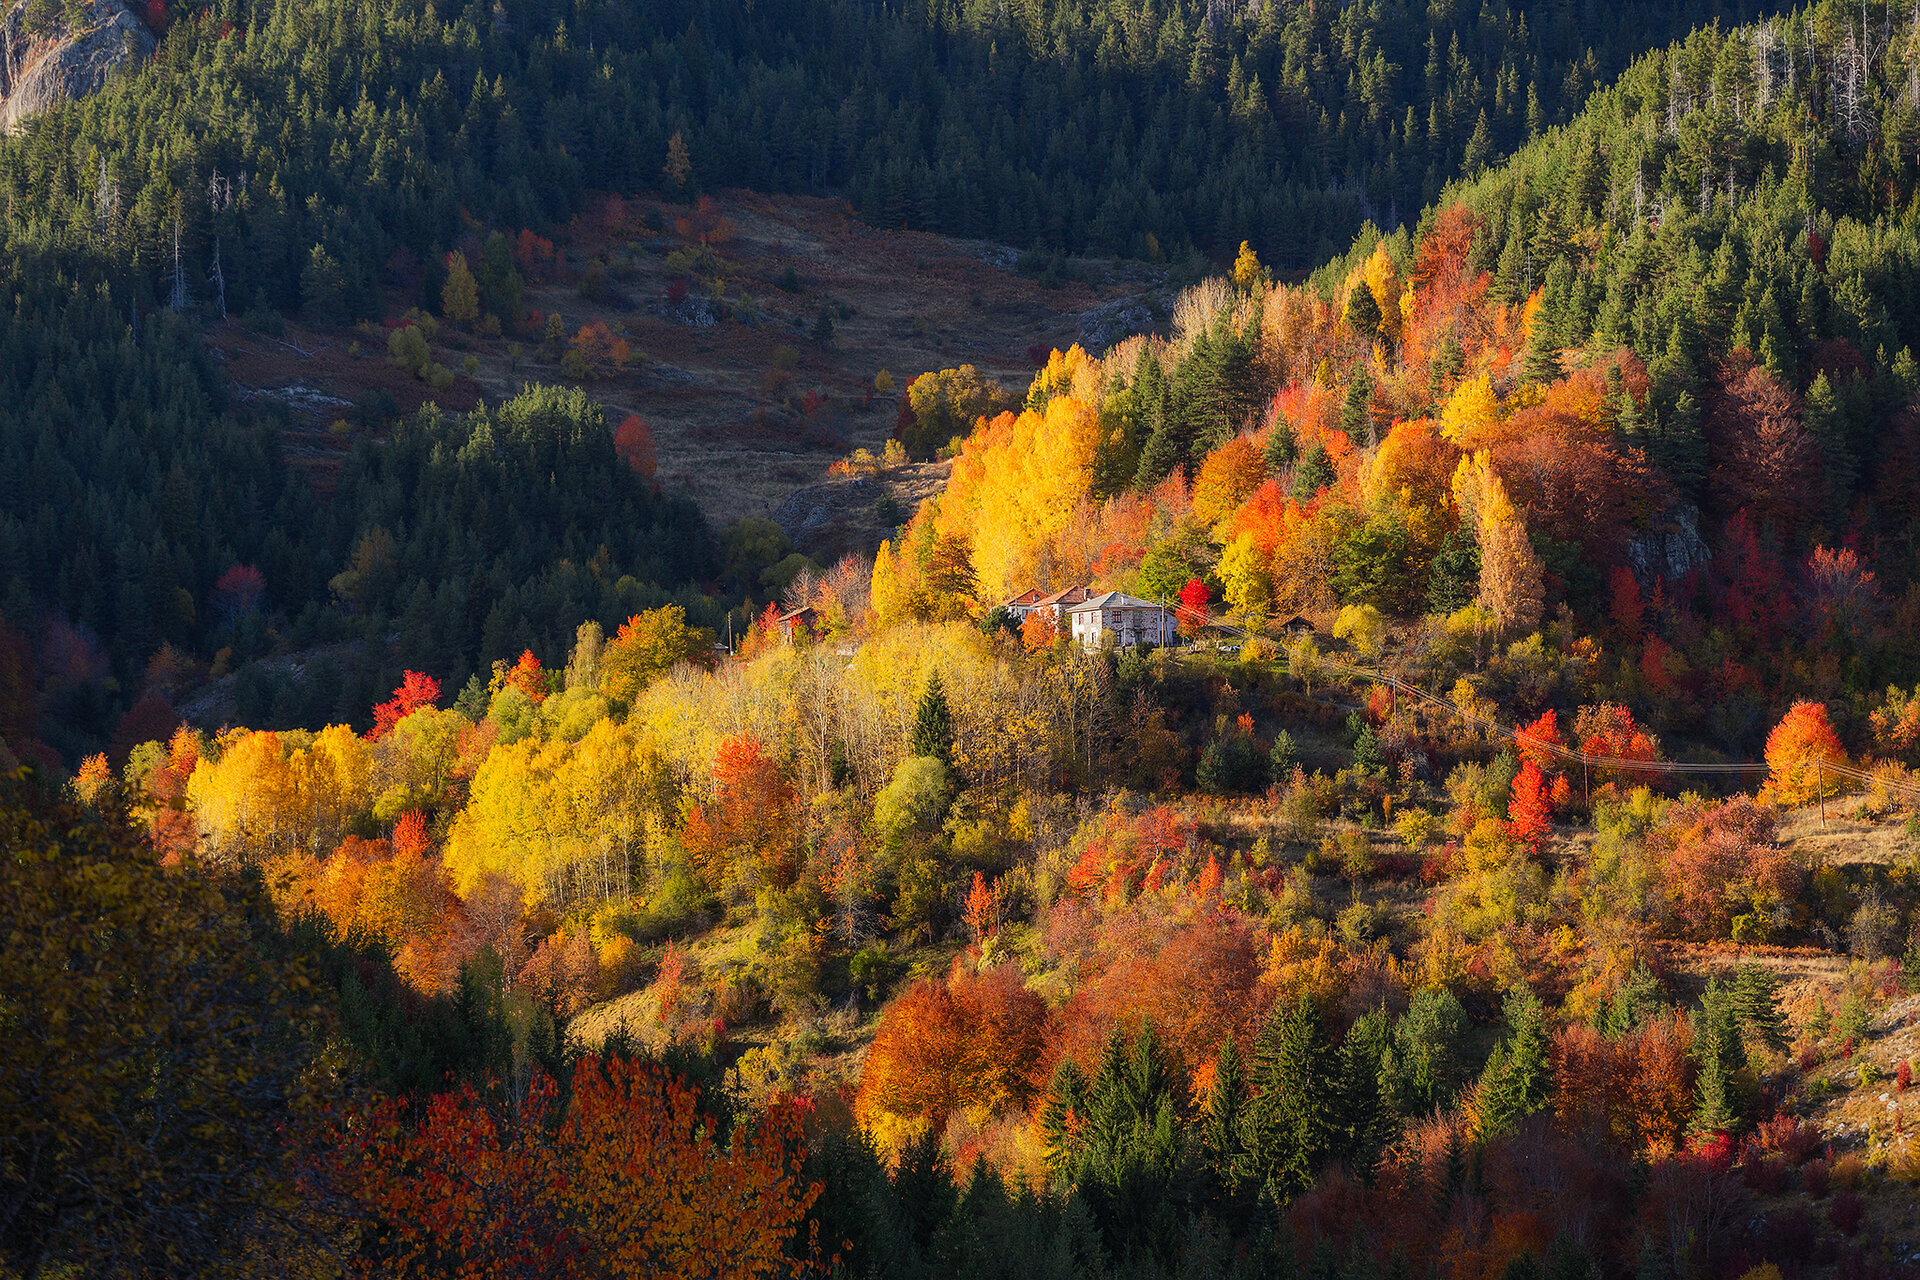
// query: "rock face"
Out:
[39,67]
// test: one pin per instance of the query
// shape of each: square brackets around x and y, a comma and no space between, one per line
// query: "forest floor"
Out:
[748,394]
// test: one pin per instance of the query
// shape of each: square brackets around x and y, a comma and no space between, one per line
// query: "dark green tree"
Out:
[933,723]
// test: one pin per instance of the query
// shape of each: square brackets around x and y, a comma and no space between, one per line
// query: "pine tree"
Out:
[1756,1002]
[1223,1133]
[1314,473]
[1356,413]
[1289,1126]
[1518,1079]
[933,723]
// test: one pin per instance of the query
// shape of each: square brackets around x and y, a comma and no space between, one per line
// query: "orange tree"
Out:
[1799,750]
[626,1179]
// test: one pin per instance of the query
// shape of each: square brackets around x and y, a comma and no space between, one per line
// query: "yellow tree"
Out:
[1512,580]
[1246,576]
[648,645]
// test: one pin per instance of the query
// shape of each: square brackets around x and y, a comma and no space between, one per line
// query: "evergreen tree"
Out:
[1289,1130]
[1756,1003]
[1453,577]
[1363,312]
[1281,759]
[1280,447]
[1363,1119]
[1518,1079]
[1719,1055]
[1826,423]
[1314,473]
[1223,1132]
[1356,412]
[933,723]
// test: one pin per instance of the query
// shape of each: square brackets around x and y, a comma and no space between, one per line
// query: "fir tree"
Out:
[1061,1116]
[1518,1079]
[1719,1055]
[1756,1002]
[1280,447]
[1289,1125]
[1453,577]
[1223,1133]
[1363,1121]
[1356,412]
[1281,759]
[933,723]
[1314,473]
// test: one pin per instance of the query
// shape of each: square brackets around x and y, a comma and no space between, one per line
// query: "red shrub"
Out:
[1814,1177]
[1845,1212]
[1765,1174]
[676,292]
[1904,1076]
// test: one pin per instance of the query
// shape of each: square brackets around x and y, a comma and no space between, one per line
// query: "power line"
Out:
[1539,746]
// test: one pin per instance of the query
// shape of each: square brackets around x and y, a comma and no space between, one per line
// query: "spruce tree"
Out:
[1356,413]
[1281,759]
[1289,1123]
[1363,1121]
[1518,1079]
[1223,1133]
[1720,1055]
[1826,423]
[1363,312]
[1756,1002]
[1453,578]
[1280,447]
[1066,1107]
[1314,473]
[933,723]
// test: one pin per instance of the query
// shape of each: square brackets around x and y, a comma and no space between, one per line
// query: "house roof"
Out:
[1112,600]
[803,614]
[1071,596]
[1030,596]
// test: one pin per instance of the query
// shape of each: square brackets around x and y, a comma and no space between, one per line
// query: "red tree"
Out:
[1530,810]
[415,691]
[238,592]
[1192,610]
[633,441]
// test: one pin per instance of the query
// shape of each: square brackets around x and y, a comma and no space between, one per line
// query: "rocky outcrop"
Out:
[43,59]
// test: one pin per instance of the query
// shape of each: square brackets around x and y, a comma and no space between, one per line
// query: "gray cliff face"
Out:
[39,68]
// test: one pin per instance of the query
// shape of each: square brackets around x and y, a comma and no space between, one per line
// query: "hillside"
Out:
[744,400]
[607,731]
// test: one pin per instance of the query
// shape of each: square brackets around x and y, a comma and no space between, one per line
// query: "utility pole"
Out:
[1820,784]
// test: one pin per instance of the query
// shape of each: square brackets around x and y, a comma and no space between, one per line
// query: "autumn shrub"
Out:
[628,1177]
[1719,860]
[1816,1178]
[1846,1212]
[1795,1140]
[1766,1175]
[1903,1076]
[1848,1170]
